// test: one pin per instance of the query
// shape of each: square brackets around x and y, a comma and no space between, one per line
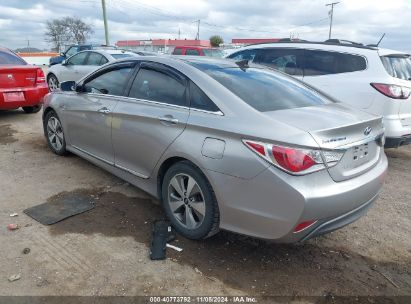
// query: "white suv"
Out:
[370,78]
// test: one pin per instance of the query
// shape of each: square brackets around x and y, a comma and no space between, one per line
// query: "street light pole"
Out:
[103,4]
[331,16]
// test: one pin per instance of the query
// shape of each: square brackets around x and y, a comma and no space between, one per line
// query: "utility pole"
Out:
[198,30]
[103,4]
[331,16]
[179,33]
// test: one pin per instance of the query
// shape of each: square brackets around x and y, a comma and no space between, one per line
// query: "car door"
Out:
[88,114]
[70,69]
[153,116]
[286,60]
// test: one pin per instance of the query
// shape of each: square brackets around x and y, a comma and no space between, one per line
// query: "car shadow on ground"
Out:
[252,265]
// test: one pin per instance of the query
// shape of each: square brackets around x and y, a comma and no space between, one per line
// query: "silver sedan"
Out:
[82,63]
[223,145]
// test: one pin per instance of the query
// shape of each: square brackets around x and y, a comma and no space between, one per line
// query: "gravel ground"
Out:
[105,251]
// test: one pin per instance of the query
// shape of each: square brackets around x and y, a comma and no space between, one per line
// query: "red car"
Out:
[21,85]
[197,51]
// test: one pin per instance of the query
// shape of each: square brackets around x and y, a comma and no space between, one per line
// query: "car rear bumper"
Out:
[273,203]
[32,96]
[395,142]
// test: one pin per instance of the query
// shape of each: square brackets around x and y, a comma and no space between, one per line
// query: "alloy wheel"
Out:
[53,83]
[186,201]
[55,133]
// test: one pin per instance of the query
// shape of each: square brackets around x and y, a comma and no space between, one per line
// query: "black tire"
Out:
[210,221]
[33,109]
[52,82]
[52,143]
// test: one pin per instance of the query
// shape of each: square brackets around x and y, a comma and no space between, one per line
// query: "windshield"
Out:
[118,56]
[264,89]
[8,58]
[398,66]
[213,53]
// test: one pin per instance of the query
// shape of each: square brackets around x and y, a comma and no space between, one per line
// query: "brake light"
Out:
[303,225]
[40,78]
[295,160]
[392,90]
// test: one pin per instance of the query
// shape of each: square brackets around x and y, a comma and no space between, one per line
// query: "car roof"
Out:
[387,52]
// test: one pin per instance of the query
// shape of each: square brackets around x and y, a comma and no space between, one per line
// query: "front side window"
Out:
[265,90]
[177,51]
[192,52]
[398,66]
[77,59]
[8,58]
[244,55]
[112,82]
[94,59]
[159,85]
[285,60]
[199,100]
[324,63]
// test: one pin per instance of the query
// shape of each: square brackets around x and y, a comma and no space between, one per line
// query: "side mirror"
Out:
[62,54]
[64,62]
[68,86]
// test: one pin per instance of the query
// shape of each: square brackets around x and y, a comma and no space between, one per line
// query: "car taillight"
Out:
[392,90]
[40,78]
[295,160]
[303,225]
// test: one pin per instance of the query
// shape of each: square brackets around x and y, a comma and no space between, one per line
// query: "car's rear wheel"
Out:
[53,83]
[33,109]
[54,133]
[189,201]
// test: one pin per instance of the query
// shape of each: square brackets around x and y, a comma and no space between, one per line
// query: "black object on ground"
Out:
[162,233]
[61,208]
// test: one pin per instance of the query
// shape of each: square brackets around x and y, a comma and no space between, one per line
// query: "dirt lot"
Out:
[105,251]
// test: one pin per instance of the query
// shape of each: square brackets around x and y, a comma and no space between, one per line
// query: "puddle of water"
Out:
[254,266]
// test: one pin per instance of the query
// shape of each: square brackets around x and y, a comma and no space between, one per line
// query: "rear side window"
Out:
[158,85]
[192,52]
[289,61]
[111,82]
[398,66]
[244,55]
[9,58]
[94,59]
[266,90]
[177,51]
[324,63]
[199,100]
[125,55]
[213,53]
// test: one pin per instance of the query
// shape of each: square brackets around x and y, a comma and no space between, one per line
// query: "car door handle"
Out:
[104,110]
[168,119]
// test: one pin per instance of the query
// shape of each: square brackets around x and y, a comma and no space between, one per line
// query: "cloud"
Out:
[364,21]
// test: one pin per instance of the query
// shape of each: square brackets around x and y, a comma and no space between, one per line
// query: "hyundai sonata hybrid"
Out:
[223,144]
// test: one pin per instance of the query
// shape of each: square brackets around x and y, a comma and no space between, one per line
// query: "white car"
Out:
[366,77]
[81,64]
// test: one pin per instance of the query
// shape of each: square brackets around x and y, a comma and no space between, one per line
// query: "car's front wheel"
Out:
[53,83]
[32,109]
[54,133]
[189,201]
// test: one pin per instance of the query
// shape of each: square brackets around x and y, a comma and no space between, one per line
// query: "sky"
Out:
[22,22]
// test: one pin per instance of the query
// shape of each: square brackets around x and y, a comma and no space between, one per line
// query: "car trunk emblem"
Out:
[9,76]
[367,131]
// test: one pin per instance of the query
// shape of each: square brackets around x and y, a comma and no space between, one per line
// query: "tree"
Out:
[216,40]
[66,31]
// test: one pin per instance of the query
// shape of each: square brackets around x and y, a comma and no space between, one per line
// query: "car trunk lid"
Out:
[336,127]
[15,76]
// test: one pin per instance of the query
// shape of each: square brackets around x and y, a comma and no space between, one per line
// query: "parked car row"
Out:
[258,144]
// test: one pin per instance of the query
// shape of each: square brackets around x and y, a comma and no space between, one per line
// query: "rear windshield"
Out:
[398,66]
[118,56]
[213,53]
[266,90]
[8,58]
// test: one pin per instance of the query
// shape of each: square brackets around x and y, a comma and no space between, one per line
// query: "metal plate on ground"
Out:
[60,208]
